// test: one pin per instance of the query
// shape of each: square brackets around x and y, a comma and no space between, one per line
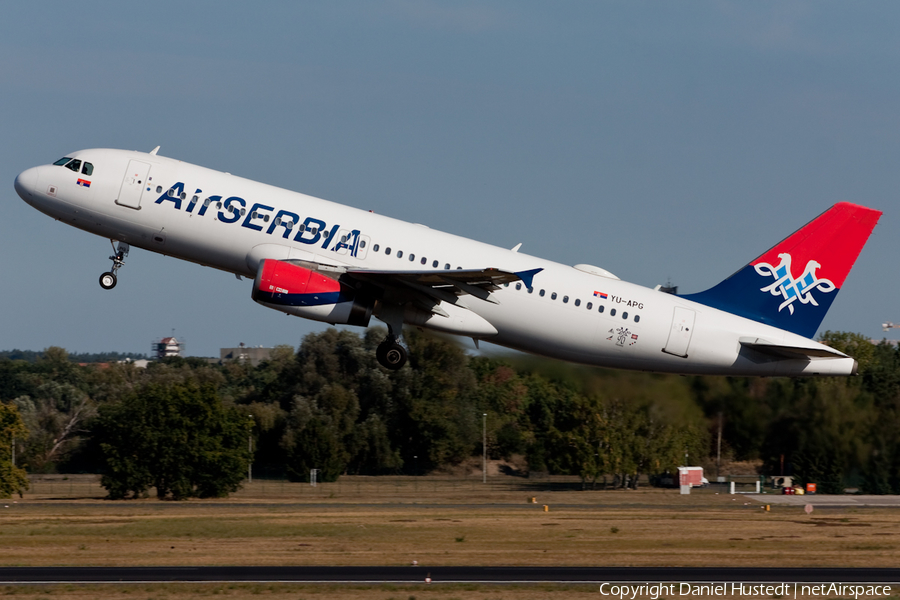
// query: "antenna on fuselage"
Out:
[154,151]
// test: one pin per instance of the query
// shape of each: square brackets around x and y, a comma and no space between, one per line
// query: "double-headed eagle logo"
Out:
[793,289]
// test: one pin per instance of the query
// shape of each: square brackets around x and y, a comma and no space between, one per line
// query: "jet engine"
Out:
[304,293]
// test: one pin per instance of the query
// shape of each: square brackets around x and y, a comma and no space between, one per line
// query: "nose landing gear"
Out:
[108,279]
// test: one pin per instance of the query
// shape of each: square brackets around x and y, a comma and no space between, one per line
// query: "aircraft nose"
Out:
[26,183]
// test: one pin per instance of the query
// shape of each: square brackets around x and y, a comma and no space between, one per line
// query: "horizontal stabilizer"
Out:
[783,351]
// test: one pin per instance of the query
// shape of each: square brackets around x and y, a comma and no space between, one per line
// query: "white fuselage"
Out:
[638,328]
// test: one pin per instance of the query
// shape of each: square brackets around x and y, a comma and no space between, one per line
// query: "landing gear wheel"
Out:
[108,281]
[391,355]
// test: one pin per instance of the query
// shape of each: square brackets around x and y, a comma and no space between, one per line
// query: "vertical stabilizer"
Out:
[792,285]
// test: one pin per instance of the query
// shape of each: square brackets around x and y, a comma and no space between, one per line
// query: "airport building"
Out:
[245,354]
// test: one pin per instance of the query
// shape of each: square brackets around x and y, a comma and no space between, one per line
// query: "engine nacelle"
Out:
[309,294]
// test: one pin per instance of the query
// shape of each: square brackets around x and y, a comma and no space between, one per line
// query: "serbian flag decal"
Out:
[600,295]
[84,183]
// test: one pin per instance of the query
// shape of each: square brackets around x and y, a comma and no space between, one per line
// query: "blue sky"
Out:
[661,141]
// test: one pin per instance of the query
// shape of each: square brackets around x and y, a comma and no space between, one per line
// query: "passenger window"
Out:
[302,227]
[375,248]
[434,264]
[625,315]
[447,267]
[314,231]
[424,260]
[590,305]
[387,251]
[412,257]
[553,296]
[158,189]
[362,243]
[506,284]
[75,165]
[565,299]
[600,309]
[459,268]
[266,219]
[612,312]
[243,210]
[530,290]
[518,286]
[183,195]
[62,161]
[637,318]
[194,199]
[541,293]
[171,191]
[289,225]
[205,202]
[88,169]
[577,302]
[343,239]
[399,253]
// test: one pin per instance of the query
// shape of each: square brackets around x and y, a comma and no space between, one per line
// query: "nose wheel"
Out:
[390,354]
[108,280]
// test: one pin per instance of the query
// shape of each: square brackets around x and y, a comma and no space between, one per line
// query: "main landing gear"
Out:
[390,354]
[108,279]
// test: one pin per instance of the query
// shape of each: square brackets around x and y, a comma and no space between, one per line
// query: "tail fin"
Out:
[822,252]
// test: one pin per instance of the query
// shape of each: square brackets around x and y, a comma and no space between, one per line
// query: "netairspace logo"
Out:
[655,591]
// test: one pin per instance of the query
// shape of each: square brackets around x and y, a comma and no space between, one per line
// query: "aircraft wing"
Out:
[436,285]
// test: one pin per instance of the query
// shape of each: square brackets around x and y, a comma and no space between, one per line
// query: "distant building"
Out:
[244,354]
[166,347]
[140,363]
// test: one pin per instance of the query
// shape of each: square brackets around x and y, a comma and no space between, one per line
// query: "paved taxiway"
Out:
[418,574]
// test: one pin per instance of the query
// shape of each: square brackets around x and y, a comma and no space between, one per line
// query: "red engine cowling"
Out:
[309,294]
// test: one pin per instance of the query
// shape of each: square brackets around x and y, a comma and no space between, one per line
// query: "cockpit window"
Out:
[75,165]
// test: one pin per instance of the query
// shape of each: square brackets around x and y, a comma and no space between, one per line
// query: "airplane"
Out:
[332,263]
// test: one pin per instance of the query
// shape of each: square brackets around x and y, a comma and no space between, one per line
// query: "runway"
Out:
[500,575]
[842,500]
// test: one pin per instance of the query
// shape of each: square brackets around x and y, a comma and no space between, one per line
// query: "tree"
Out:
[55,418]
[173,434]
[12,478]
[320,433]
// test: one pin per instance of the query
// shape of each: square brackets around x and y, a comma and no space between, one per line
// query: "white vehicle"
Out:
[333,263]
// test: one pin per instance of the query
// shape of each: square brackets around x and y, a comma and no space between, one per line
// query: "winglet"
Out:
[527,276]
